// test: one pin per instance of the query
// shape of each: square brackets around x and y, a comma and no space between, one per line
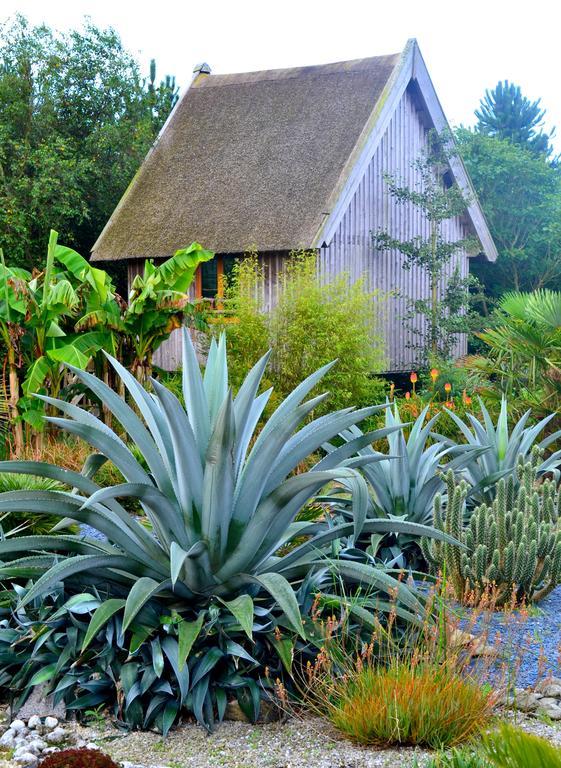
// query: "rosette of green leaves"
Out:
[221,499]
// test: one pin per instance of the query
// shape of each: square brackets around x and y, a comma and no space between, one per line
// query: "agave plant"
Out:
[223,570]
[402,483]
[502,448]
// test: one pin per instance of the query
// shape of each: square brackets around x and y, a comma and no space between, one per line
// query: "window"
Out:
[209,283]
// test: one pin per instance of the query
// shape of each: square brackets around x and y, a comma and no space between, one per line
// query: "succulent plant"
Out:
[501,448]
[402,483]
[512,545]
[220,587]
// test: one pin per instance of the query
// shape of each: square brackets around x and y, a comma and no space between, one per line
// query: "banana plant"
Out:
[502,448]
[158,304]
[223,547]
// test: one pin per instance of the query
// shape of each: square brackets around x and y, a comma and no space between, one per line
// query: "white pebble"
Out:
[51,723]
[34,722]
[56,737]
[17,726]
[91,745]
[26,759]
[7,738]
[36,746]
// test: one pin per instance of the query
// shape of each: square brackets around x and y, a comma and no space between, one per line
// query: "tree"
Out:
[520,194]
[446,310]
[76,120]
[506,114]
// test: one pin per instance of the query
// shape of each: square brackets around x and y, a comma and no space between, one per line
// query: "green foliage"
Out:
[511,747]
[70,311]
[158,304]
[522,359]
[76,120]
[512,546]
[500,449]
[506,114]
[33,524]
[311,324]
[204,587]
[402,483]
[524,218]
[463,757]
[446,312]
[78,758]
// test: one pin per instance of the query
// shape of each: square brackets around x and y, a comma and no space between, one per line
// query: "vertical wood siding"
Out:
[373,209]
[351,250]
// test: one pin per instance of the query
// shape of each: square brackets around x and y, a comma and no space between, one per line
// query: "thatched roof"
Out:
[247,160]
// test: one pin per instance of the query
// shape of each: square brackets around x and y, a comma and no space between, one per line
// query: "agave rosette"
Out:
[221,498]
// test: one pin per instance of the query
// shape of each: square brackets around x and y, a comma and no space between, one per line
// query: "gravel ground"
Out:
[297,743]
[530,641]
[294,744]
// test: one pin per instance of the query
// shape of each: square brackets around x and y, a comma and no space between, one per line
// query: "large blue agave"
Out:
[223,561]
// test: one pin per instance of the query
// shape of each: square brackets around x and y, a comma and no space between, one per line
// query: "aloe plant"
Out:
[402,483]
[502,448]
[220,563]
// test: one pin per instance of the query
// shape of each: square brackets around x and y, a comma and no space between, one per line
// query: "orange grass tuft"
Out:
[408,703]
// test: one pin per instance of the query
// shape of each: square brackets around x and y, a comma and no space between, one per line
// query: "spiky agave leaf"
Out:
[221,502]
[403,483]
[501,447]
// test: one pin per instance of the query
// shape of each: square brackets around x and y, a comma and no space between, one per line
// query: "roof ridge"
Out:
[262,75]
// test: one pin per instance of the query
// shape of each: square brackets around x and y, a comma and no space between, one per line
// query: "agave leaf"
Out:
[142,592]
[218,483]
[194,395]
[242,609]
[100,618]
[71,566]
[279,588]
[190,480]
[244,404]
[188,632]
[215,379]
[171,650]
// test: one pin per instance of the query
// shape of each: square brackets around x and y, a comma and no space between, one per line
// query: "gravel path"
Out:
[297,743]
[530,641]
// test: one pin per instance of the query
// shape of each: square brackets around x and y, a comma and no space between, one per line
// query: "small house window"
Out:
[211,277]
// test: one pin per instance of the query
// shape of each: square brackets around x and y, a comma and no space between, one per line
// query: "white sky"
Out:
[468,46]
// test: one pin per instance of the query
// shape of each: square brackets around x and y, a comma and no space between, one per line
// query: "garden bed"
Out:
[294,743]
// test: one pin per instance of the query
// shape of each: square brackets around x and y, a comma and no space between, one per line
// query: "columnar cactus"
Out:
[512,545]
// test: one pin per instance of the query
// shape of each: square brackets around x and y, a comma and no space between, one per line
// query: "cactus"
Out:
[512,546]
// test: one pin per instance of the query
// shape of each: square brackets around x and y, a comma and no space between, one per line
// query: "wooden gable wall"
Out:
[372,209]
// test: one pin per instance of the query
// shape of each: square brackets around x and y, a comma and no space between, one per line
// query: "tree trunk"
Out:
[17,426]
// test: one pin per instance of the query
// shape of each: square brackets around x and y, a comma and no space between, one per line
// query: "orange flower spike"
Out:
[434,374]
[407,395]
[413,380]
[447,387]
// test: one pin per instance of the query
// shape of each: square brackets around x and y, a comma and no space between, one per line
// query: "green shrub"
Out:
[512,546]
[212,601]
[511,747]
[311,324]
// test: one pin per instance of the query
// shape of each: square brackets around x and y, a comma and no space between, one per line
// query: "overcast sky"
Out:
[468,46]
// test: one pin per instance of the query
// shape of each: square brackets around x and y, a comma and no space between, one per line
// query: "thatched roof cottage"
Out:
[289,159]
